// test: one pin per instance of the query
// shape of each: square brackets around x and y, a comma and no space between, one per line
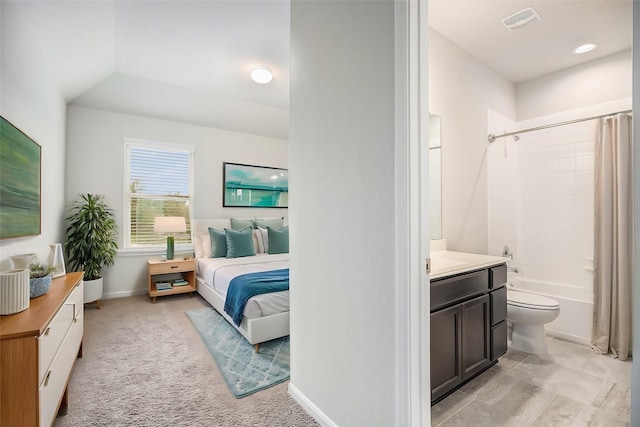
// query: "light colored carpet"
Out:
[244,370]
[144,364]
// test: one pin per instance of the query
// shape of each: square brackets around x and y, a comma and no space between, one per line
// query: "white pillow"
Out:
[197,246]
[265,239]
[202,245]
[258,243]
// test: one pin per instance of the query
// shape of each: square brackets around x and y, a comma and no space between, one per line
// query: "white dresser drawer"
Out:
[55,380]
[49,342]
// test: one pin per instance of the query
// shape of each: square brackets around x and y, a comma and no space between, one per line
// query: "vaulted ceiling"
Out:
[190,60]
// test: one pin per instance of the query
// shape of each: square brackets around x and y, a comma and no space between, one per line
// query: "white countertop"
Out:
[447,263]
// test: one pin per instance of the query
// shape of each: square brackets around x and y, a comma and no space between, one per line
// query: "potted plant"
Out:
[40,279]
[91,242]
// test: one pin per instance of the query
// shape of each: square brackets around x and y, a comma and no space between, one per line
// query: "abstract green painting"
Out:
[20,184]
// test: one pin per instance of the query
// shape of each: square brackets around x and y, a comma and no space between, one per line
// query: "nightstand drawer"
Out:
[171,267]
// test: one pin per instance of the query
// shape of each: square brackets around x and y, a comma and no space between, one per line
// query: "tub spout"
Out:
[514,269]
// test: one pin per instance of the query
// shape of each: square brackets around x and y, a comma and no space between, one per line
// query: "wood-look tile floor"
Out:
[571,386]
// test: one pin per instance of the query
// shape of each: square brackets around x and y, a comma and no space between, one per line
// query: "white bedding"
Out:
[218,272]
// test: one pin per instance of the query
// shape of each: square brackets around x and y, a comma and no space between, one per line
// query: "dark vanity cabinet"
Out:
[468,327]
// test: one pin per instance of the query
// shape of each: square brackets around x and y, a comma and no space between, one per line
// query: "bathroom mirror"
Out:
[435,178]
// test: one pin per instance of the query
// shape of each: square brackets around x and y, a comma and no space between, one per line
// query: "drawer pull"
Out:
[175,266]
[46,332]
[46,379]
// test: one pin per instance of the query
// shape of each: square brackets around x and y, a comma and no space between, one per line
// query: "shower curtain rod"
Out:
[493,137]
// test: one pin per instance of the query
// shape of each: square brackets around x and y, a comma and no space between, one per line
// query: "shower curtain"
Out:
[612,314]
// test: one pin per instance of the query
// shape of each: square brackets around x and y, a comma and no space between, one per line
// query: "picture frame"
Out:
[21,177]
[56,259]
[251,186]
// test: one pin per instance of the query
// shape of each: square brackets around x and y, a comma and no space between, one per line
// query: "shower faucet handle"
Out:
[506,252]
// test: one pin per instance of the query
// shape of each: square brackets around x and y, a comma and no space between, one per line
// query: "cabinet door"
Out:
[446,340]
[475,336]
[498,340]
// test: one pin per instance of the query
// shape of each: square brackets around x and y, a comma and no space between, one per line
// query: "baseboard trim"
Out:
[568,337]
[123,294]
[310,407]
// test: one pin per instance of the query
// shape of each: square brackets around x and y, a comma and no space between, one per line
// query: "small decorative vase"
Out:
[14,291]
[40,286]
[22,261]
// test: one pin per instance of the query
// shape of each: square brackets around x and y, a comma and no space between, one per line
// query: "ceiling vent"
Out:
[521,18]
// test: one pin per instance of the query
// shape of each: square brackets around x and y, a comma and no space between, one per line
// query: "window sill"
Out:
[179,250]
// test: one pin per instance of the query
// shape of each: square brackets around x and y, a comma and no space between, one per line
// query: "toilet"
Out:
[528,314]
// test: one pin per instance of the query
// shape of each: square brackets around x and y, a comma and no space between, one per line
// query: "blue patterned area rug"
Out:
[244,371]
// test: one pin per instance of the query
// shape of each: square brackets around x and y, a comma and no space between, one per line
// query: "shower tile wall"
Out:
[541,201]
[555,200]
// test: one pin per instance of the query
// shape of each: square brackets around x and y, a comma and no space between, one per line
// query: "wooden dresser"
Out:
[38,348]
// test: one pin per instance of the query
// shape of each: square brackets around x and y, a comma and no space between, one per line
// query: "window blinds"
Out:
[159,184]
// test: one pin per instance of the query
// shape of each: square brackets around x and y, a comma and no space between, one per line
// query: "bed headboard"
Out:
[201,226]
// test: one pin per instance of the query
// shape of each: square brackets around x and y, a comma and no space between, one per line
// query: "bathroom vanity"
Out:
[468,317]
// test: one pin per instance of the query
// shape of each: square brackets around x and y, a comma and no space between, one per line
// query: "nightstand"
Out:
[157,271]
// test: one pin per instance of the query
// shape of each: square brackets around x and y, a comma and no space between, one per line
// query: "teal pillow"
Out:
[278,240]
[239,243]
[276,223]
[241,224]
[218,243]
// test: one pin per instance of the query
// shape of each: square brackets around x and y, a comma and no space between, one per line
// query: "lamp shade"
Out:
[169,224]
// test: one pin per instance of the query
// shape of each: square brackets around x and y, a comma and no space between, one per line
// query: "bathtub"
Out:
[576,308]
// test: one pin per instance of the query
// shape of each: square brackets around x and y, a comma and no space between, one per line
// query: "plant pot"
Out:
[93,290]
[39,286]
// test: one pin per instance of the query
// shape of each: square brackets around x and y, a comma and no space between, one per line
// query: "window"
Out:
[158,183]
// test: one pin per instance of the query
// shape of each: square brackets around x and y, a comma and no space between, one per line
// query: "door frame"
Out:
[413,405]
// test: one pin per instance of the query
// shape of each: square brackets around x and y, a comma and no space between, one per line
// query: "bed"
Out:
[265,316]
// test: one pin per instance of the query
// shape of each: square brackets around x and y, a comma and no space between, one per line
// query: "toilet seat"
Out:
[530,301]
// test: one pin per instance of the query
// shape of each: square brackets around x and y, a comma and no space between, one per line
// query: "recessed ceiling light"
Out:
[261,75]
[587,47]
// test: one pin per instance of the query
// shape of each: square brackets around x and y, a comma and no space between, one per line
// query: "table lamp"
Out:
[169,224]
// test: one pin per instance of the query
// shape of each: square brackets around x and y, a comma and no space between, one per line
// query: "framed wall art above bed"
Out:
[254,186]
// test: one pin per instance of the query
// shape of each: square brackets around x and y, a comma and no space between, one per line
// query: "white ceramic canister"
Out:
[14,291]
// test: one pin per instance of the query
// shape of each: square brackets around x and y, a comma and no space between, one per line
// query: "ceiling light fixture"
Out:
[261,75]
[587,47]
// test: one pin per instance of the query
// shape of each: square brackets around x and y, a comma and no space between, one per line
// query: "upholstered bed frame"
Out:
[255,330]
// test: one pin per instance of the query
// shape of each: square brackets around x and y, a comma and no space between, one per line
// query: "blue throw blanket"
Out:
[245,286]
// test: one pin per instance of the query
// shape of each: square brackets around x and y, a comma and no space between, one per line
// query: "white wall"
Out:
[95,156]
[32,103]
[503,187]
[576,87]
[461,91]
[342,211]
